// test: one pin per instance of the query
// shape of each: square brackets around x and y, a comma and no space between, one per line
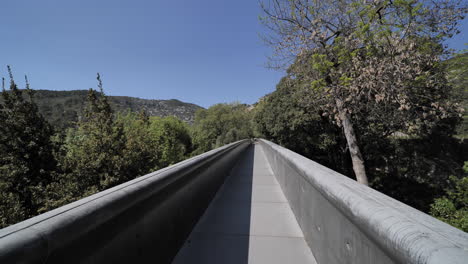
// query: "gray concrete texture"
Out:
[145,220]
[249,221]
[346,222]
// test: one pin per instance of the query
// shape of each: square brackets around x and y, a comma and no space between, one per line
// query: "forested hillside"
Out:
[62,108]
[43,167]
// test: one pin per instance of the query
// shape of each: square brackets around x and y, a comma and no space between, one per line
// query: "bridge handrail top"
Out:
[107,196]
[393,225]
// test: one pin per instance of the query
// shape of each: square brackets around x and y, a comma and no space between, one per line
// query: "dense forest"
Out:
[43,167]
[375,96]
[370,91]
[426,167]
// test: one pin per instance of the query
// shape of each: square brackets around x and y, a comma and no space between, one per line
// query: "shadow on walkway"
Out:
[222,234]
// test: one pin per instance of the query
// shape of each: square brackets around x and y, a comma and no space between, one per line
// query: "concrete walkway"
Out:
[249,221]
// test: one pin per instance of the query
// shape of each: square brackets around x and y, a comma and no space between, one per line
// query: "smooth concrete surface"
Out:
[249,221]
[145,220]
[346,222]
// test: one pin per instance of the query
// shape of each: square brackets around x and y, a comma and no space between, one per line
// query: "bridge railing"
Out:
[143,220]
[148,219]
[346,222]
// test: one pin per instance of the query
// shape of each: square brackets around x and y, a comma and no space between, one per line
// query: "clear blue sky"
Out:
[203,52]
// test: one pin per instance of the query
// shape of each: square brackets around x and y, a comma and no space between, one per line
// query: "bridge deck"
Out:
[249,221]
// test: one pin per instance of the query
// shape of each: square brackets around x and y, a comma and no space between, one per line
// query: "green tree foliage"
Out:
[40,170]
[453,208]
[95,150]
[27,162]
[458,76]
[103,150]
[11,209]
[221,124]
[282,118]
[377,59]
[172,137]
[413,169]
[153,143]
[141,149]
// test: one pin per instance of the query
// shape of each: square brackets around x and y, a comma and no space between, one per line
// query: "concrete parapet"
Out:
[140,221]
[346,222]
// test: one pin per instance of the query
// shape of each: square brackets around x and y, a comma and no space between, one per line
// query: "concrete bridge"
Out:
[246,202]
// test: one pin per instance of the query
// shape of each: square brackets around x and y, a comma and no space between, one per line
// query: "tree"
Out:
[153,143]
[457,75]
[281,117]
[141,149]
[453,208]
[26,155]
[172,137]
[103,150]
[221,124]
[95,149]
[357,56]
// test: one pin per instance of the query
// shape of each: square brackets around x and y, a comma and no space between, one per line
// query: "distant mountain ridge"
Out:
[62,108]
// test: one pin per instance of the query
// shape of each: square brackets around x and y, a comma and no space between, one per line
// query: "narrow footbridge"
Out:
[246,202]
